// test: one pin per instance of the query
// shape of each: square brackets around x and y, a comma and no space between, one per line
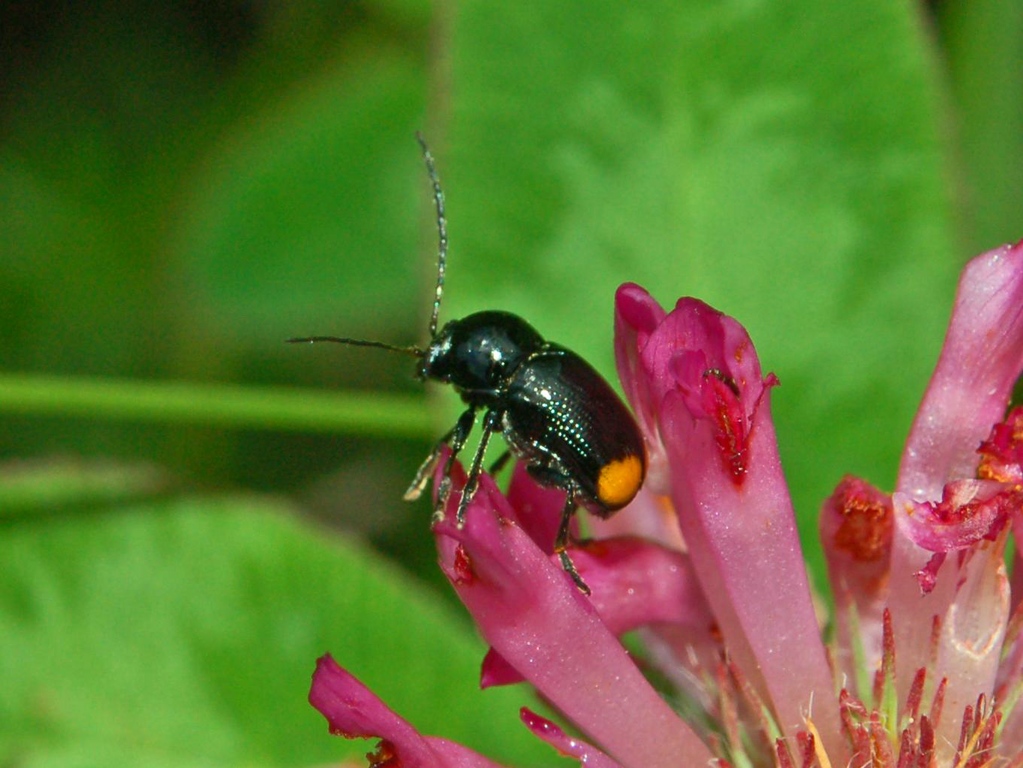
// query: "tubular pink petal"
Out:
[636,583]
[496,671]
[536,509]
[856,532]
[746,553]
[569,746]
[353,711]
[530,612]
[713,410]
[980,361]
[965,589]
[637,317]
[972,634]
[1009,686]
[650,516]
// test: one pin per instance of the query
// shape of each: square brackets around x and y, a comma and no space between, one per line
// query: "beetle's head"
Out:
[479,352]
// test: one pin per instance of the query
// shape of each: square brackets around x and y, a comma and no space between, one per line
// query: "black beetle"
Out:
[557,414]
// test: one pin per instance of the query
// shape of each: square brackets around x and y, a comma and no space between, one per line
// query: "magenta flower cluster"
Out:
[920,662]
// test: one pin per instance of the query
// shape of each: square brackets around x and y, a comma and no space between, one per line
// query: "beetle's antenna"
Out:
[442,257]
[414,351]
[442,230]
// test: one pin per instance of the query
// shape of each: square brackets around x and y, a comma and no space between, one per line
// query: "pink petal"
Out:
[856,530]
[649,516]
[637,316]
[1009,683]
[712,406]
[969,596]
[634,584]
[585,753]
[640,585]
[532,614]
[969,512]
[980,361]
[353,711]
[496,671]
[537,509]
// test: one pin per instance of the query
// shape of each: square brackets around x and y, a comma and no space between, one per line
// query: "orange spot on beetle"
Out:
[619,481]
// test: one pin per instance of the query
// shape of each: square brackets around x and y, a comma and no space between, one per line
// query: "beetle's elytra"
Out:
[556,413]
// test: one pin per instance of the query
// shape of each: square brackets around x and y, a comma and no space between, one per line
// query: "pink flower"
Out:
[924,667]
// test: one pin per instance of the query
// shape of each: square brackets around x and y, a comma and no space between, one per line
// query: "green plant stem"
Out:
[213,404]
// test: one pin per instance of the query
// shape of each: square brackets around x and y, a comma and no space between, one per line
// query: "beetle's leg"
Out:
[498,465]
[462,429]
[490,423]
[561,544]
[550,476]
[455,438]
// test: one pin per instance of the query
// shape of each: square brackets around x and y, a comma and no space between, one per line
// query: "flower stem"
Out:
[214,404]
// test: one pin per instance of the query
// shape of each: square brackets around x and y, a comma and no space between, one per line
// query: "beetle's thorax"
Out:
[479,352]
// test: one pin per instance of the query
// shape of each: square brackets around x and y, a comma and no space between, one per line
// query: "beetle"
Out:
[556,413]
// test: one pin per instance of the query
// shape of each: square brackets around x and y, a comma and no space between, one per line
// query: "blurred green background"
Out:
[191,510]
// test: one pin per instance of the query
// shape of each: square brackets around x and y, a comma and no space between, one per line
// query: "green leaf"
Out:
[781,161]
[183,631]
[306,218]
[33,488]
[984,50]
